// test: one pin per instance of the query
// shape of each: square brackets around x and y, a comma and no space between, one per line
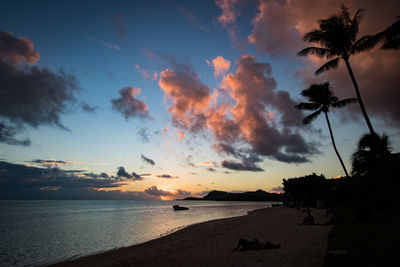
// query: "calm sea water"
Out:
[40,232]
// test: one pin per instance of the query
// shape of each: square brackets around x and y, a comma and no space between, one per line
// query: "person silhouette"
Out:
[309,219]
[245,245]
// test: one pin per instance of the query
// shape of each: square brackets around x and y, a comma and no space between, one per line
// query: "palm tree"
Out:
[366,157]
[337,37]
[390,36]
[321,98]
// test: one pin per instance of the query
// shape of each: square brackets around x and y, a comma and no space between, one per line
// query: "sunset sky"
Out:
[166,99]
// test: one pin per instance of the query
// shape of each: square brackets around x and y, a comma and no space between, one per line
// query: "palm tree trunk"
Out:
[364,112]
[334,144]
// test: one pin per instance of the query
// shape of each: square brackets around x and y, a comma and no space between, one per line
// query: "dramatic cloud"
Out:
[154,191]
[15,51]
[17,180]
[8,132]
[221,65]
[280,25]
[240,166]
[123,173]
[94,175]
[157,192]
[249,114]
[51,162]
[128,105]
[182,193]
[147,160]
[258,109]
[188,94]
[50,94]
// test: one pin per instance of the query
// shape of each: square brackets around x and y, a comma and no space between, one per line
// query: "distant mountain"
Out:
[258,195]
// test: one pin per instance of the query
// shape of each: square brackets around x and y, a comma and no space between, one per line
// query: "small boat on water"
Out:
[177,207]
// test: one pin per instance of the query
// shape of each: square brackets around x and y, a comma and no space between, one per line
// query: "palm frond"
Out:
[309,118]
[370,148]
[365,43]
[307,106]
[344,102]
[393,44]
[319,51]
[332,64]
[391,36]
[345,14]
[355,23]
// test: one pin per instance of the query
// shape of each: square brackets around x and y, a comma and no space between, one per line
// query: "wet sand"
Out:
[211,243]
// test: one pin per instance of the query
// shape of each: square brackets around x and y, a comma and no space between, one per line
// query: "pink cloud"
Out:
[254,92]
[220,64]
[189,97]
[248,119]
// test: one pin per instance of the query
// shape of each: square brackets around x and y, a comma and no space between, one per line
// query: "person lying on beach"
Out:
[245,245]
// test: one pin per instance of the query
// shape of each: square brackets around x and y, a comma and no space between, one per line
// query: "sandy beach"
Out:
[211,243]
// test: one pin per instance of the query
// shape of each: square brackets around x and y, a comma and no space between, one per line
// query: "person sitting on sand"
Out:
[245,245]
[309,219]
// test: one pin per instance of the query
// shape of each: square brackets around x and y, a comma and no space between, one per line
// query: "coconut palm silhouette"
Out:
[390,36]
[337,37]
[365,159]
[320,99]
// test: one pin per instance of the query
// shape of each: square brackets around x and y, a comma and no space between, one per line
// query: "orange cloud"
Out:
[181,135]
[189,96]
[242,117]
[221,65]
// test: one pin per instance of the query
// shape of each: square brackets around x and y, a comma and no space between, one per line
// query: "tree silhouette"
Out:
[321,98]
[337,37]
[366,157]
[390,36]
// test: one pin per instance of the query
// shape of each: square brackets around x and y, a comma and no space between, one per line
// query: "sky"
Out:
[169,99]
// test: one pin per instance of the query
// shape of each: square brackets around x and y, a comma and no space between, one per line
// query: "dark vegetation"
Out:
[258,195]
[366,204]
[357,243]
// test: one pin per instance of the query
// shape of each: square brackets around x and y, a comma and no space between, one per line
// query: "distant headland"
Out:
[258,195]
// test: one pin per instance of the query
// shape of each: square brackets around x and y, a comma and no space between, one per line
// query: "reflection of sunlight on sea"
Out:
[35,232]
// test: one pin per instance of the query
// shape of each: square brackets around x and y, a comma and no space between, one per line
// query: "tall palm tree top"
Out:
[320,98]
[390,36]
[337,37]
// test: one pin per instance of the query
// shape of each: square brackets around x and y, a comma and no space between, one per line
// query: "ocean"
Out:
[46,231]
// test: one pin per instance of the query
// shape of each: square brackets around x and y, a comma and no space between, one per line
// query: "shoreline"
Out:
[212,242]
